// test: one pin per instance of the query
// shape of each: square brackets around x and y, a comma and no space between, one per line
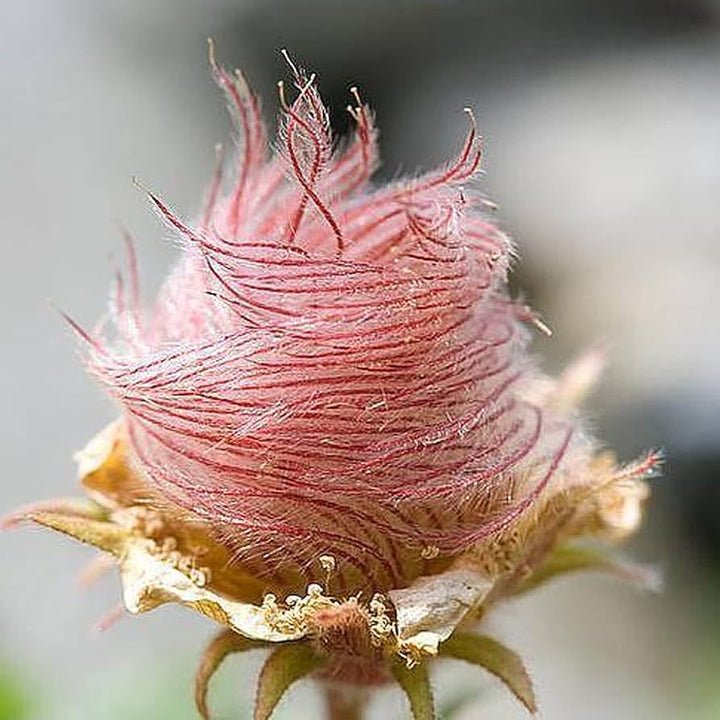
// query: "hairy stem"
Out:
[345,702]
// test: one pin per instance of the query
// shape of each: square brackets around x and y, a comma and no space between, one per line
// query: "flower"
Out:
[332,439]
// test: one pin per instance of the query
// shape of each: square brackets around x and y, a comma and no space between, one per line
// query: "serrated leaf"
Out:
[415,682]
[285,666]
[573,558]
[496,659]
[224,644]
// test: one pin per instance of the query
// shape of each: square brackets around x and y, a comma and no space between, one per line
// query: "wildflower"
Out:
[332,440]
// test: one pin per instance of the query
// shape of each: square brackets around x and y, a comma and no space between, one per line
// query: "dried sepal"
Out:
[224,644]
[496,659]
[106,536]
[415,683]
[104,473]
[153,572]
[68,507]
[151,575]
[286,665]
[432,607]
[150,580]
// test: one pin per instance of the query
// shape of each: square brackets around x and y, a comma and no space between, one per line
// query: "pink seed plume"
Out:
[333,367]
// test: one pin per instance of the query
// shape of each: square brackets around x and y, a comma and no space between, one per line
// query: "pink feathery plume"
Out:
[331,367]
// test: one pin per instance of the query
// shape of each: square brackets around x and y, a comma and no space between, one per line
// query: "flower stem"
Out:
[345,702]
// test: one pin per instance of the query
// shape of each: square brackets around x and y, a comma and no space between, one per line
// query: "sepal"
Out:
[498,660]
[285,666]
[415,683]
[573,558]
[224,644]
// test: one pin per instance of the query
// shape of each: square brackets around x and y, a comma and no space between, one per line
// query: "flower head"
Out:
[331,433]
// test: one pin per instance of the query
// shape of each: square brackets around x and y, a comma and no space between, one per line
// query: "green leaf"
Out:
[224,644]
[286,665]
[496,659]
[572,558]
[416,685]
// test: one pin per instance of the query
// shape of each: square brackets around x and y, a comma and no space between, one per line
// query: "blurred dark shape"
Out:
[385,46]
[694,489]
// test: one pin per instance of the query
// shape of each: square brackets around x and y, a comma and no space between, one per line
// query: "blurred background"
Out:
[602,120]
